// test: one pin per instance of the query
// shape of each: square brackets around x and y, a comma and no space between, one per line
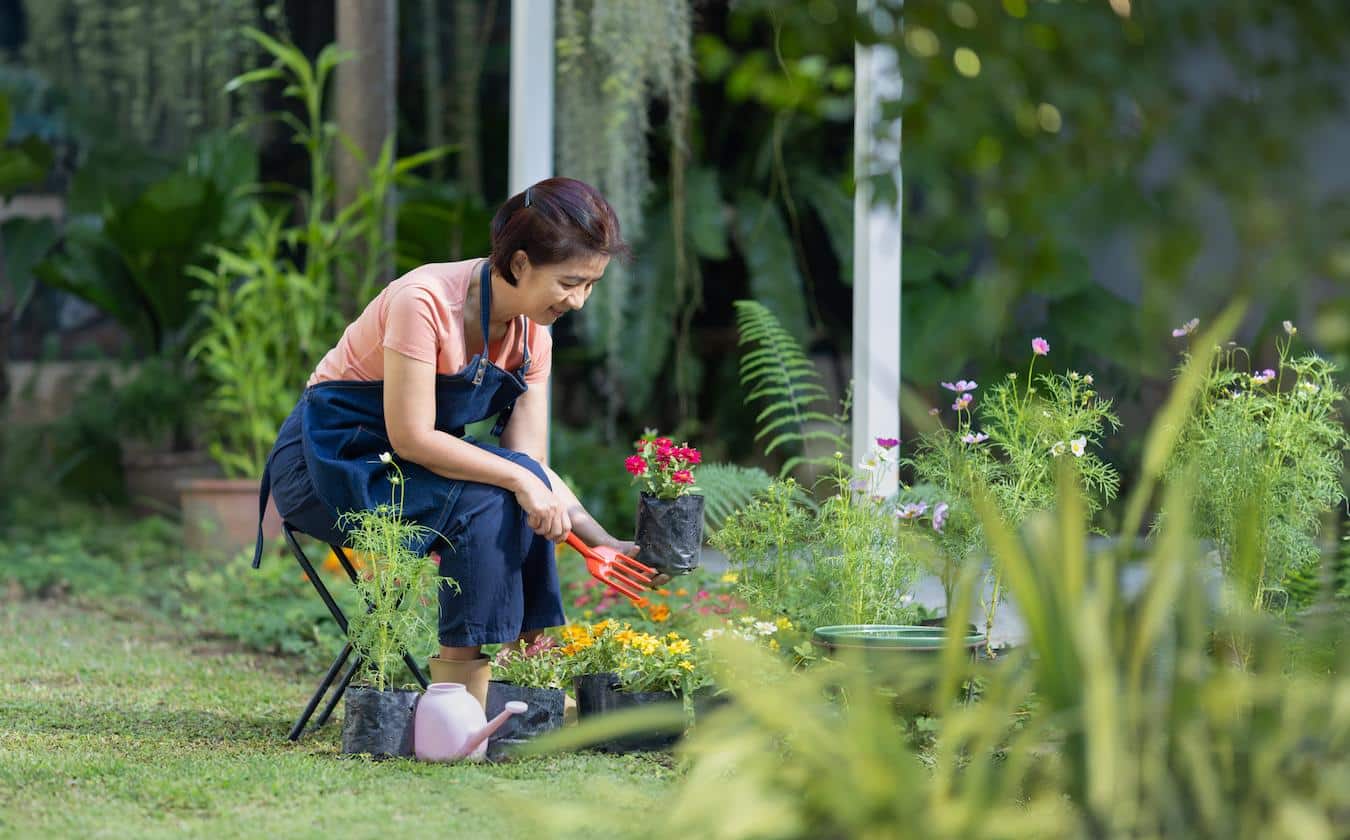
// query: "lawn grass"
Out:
[126,726]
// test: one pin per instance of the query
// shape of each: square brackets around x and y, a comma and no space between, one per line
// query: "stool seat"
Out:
[311,574]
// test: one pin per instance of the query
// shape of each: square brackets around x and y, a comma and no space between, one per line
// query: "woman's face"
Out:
[550,291]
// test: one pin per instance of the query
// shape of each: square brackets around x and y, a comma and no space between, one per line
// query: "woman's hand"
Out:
[545,511]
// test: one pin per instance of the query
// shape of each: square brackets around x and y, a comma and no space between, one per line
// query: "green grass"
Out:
[126,726]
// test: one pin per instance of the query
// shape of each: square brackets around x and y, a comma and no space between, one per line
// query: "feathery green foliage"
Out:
[1268,450]
[727,488]
[396,586]
[778,373]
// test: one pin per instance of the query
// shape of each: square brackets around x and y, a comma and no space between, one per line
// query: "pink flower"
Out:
[962,402]
[581,601]
[939,516]
[1040,346]
[960,386]
[888,443]
[977,438]
[1263,377]
[635,464]
[912,510]
[691,455]
[663,443]
[682,477]
[1186,328]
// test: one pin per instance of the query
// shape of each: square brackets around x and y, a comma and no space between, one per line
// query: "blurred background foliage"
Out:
[1094,172]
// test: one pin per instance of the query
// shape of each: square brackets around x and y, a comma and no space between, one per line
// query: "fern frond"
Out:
[726,489]
[776,372]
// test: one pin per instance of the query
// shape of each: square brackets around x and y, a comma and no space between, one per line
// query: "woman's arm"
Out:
[410,419]
[528,433]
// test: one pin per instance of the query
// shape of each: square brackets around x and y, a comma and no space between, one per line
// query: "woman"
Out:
[443,346]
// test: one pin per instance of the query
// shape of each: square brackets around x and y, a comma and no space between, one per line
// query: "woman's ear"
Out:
[520,264]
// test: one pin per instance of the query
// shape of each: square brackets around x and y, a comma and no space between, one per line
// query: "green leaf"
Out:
[834,206]
[705,214]
[25,242]
[775,281]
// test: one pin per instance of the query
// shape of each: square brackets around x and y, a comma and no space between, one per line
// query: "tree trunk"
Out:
[471,35]
[432,80]
[367,93]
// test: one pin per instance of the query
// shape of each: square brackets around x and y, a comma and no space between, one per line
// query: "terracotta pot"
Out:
[220,515]
[153,478]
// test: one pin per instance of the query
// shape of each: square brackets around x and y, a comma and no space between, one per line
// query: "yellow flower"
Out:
[625,637]
[587,613]
[660,613]
[687,665]
[680,646]
[672,635]
[576,633]
[773,644]
[681,592]
[730,577]
[783,623]
[600,627]
[647,644]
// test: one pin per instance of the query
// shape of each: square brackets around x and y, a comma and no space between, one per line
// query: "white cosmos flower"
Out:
[1079,446]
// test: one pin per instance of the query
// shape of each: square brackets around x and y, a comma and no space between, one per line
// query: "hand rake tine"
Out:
[616,573]
[624,587]
[634,566]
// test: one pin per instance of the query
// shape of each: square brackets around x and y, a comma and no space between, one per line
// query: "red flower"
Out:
[682,477]
[663,443]
[693,456]
[635,464]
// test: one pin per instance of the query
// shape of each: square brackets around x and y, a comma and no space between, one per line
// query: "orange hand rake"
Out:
[620,571]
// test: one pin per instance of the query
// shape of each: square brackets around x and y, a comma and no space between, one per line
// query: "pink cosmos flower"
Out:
[940,516]
[975,438]
[911,510]
[960,385]
[1186,328]
[888,443]
[635,464]
[962,402]
[1040,346]
[1263,377]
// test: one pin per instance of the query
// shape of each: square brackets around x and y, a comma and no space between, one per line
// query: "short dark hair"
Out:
[564,218]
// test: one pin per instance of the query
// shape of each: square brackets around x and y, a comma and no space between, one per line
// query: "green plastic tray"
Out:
[888,637]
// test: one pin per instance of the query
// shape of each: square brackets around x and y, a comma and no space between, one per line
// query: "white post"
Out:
[876,254]
[531,151]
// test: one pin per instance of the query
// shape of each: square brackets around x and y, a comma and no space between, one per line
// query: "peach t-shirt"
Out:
[421,316]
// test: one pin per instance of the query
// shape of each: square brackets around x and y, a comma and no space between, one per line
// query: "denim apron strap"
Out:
[485,305]
[264,490]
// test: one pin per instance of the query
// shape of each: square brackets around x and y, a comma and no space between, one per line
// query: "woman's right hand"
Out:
[545,512]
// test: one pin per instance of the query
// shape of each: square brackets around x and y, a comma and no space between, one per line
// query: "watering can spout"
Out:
[514,707]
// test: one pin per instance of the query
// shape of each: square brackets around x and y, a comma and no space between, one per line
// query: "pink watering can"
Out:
[449,725]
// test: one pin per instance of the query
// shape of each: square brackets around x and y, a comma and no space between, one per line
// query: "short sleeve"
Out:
[541,355]
[410,326]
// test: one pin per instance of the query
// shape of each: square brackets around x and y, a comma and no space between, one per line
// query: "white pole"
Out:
[876,253]
[531,151]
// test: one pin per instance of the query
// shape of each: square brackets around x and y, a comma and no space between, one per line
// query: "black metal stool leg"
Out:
[318,695]
[338,693]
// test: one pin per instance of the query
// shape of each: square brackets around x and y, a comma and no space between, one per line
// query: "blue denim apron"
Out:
[327,461]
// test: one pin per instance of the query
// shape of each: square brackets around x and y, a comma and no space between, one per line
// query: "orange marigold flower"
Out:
[663,591]
[660,613]
[681,592]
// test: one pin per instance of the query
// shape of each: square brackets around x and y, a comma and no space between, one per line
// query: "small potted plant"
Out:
[534,674]
[395,585]
[617,667]
[670,508]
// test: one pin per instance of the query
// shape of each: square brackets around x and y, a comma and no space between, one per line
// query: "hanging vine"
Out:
[158,67]
[615,57]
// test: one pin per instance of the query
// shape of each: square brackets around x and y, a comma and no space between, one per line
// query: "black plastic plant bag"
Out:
[378,722]
[670,533]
